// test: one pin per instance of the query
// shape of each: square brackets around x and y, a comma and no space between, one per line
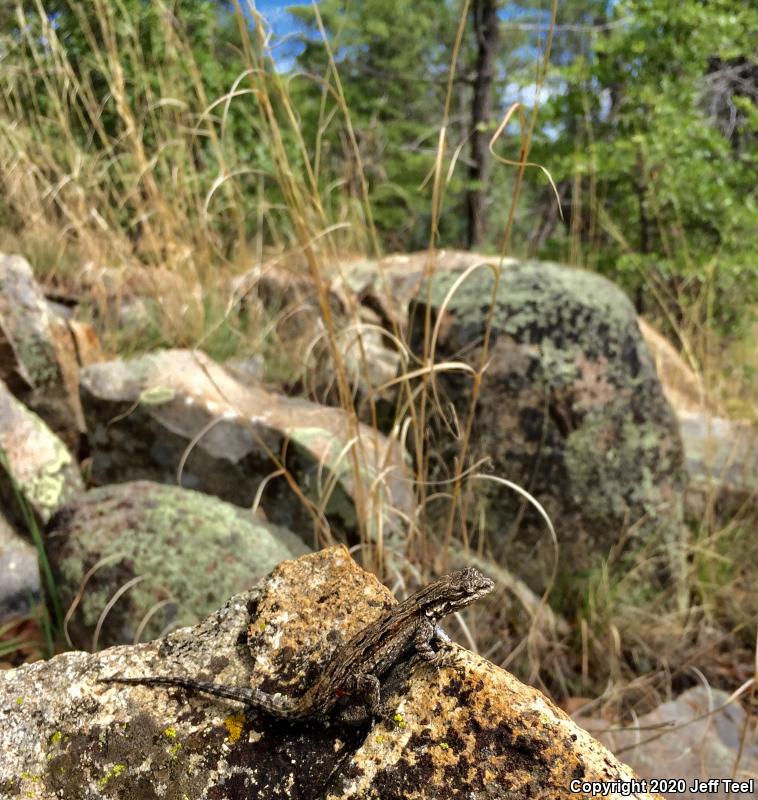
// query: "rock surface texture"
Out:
[38,351]
[570,409]
[699,736]
[178,413]
[20,586]
[465,730]
[167,556]
[34,461]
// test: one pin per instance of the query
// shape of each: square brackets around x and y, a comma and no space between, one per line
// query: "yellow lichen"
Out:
[234,725]
[113,772]
[170,732]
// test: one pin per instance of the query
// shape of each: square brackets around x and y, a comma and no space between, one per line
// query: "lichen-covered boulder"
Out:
[570,409]
[34,463]
[134,560]
[176,415]
[38,351]
[467,729]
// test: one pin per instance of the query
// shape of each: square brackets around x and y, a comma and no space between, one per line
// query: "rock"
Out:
[19,574]
[132,298]
[698,736]
[682,386]
[35,460]
[722,461]
[389,284]
[292,297]
[570,409]
[38,355]
[175,554]
[369,363]
[468,729]
[250,371]
[720,454]
[176,412]
[88,350]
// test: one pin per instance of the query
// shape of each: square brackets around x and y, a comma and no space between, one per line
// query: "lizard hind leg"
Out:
[367,704]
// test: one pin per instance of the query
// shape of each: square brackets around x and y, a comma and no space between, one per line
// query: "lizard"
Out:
[350,683]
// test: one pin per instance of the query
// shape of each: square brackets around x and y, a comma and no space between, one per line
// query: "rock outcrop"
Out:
[38,351]
[292,298]
[702,735]
[721,456]
[132,299]
[465,730]
[19,586]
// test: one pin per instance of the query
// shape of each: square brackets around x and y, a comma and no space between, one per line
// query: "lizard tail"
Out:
[276,704]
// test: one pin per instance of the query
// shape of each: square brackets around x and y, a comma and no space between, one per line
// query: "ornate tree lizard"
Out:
[350,682]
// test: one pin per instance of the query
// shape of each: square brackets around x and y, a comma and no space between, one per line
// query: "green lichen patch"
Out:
[182,551]
[113,772]
[156,395]
[38,463]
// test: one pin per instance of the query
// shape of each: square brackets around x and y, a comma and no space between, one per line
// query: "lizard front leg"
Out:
[426,631]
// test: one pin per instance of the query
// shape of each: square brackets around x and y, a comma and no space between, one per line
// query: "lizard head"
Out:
[457,590]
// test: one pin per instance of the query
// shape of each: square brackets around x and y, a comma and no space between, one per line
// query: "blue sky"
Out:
[275,12]
[283,25]
[286,46]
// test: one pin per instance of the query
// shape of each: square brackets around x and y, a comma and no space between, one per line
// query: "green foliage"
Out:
[156,123]
[662,145]
[392,58]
